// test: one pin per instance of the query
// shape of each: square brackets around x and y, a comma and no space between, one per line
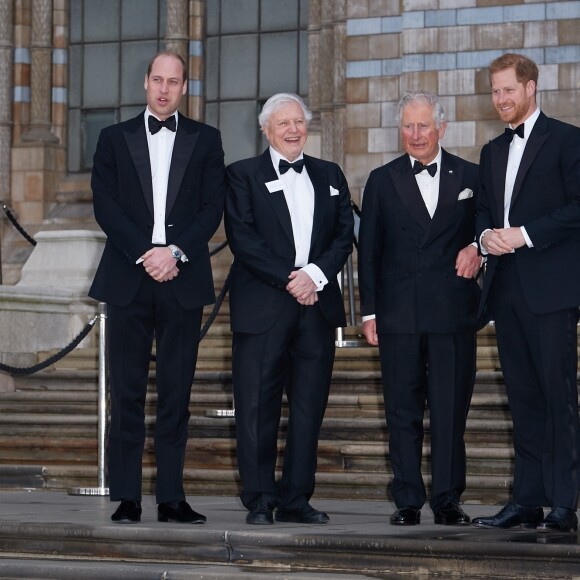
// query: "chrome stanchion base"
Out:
[220,413]
[89,491]
[351,343]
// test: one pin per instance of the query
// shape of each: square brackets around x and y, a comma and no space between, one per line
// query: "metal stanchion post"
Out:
[340,341]
[101,489]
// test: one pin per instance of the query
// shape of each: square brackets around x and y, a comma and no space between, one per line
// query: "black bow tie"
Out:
[519,131]
[283,166]
[155,124]
[418,167]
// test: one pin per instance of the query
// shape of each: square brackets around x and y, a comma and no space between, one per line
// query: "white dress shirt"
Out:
[429,186]
[515,155]
[160,151]
[299,195]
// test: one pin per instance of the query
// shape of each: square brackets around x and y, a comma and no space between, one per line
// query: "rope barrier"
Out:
[216,306]
[16,371]
[218,249]
[15,223]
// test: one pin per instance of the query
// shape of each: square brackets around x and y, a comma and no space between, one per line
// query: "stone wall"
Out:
[445,46]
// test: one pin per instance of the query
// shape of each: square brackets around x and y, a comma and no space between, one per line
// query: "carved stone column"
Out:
[176,35]
[41,74]
[327,42]
[6,49]
[38,158]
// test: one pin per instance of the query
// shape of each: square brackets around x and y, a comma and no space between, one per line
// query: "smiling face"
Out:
[513,101]
[419,134]
[286,130]
[164,86]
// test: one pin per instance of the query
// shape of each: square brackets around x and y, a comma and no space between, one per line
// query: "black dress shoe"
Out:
[560,519]
[406,516]
[128,512]
[451,514]
[180,513]
[512,516]
[261,514]
[302,515]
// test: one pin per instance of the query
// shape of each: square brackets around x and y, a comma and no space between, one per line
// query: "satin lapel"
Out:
[275,199]
[321,197]
[498,154]
[183,149]
[408,191]
[449,189]
[136,140]
[536,140]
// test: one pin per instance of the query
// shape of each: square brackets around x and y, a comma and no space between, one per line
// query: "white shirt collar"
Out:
[436,160]
[529,123]
[148,114]
[276,156]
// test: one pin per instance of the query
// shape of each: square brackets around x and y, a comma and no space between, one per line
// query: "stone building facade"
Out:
[361,55]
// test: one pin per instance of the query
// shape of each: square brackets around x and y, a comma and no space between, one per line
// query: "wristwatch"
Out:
[176,252]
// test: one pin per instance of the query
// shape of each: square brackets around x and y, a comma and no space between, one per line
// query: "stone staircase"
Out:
[48,427]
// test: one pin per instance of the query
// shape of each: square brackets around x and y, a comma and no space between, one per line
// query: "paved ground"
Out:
[223,514]
[47,534]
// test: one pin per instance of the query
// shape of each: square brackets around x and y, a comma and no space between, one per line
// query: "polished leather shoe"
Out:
[451,514]
[512,516]
[406,516]
[128,512]
[560,519]
[179,513]
[261,514]
[302,515]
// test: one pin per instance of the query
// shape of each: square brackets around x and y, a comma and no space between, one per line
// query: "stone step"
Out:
[364,485]
[484,404]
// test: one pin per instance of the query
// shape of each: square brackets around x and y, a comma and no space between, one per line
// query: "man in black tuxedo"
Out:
[417,267]
[158,190]
[528,222]
[290,226]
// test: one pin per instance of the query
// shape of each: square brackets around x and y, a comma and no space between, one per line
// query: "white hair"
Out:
[427,97]
[276,101]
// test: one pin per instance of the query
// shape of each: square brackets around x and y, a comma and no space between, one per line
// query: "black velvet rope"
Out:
[15,223]
[22,371]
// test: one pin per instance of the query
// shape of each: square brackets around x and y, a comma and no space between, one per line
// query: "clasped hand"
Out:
[302,287]
[501,241]
[160,264]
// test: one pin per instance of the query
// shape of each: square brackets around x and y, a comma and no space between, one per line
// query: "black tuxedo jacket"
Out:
[546,201]
[123,203]
[260,234]
[406,265]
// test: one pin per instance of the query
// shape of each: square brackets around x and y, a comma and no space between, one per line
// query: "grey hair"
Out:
[411,97]
[276,101]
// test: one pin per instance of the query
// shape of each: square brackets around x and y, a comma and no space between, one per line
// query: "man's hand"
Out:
[369,329]
[501,241]
[468,262]
[160,264]
[172,274]
[302,287]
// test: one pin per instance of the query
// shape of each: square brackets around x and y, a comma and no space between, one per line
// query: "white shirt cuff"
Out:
[526,237]
[484,252]
[317,275]
[368,317]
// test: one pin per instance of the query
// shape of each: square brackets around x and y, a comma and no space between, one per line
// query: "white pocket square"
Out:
[465,194]
[275,185]
[333,191]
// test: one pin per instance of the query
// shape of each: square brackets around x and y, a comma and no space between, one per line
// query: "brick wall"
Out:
[445,46]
